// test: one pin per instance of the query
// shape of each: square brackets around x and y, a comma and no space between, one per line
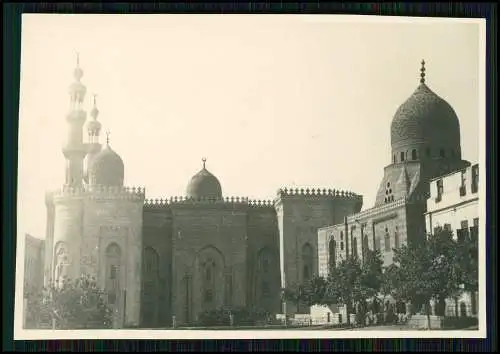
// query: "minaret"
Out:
[93,145]
[74,150]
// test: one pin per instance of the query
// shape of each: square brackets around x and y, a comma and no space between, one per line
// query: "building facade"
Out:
[454,205]
[425,143]
[176,256]
[33,263]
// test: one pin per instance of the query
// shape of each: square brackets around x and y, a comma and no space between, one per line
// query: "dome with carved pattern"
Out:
[425,120]
[204,185]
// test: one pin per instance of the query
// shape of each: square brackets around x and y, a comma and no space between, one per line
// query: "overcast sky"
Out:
[270,101]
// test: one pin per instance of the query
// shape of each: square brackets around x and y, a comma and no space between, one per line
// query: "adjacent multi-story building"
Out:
[454,205]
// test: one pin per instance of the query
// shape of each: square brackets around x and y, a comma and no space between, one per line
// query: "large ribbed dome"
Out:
[107,168]
[425,119]
[204,185]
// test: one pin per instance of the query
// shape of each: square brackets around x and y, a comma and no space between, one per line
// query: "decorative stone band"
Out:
[311,192]
[377,210]
[234,201]
[97,192]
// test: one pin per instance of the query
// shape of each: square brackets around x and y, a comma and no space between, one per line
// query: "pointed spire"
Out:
[204,160]
[107,137]
[422,72]
[95,112]
[78,73]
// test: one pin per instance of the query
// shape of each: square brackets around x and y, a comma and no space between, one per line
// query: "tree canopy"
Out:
[75,304]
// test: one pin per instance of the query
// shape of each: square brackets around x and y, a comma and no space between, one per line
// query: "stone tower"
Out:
[94,223]
[300,213]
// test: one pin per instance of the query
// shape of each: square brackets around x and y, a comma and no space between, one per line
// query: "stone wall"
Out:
[197,227]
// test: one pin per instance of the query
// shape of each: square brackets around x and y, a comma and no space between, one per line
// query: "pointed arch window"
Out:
[208,281]
[113,264]
[332,252]
[62,263]
[396,238]
[307,261]
[387,240]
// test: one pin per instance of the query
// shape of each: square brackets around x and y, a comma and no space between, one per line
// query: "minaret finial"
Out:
[77,59]
[94,96]
[422,72]
[204,160]
[107,137]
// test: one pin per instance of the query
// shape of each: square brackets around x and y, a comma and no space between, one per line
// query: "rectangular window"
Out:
[474,230]
[439,186]
[113,272]
[463,188]
[475,179]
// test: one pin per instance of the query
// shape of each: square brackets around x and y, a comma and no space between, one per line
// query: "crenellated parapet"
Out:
[227,201]
[98,192]
[318,193]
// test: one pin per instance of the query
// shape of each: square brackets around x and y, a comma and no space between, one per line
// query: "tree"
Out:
[344,284]
[74,305]
[427,270]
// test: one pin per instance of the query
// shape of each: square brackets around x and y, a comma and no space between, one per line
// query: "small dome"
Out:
[204,185]
[425,118]
[107,168]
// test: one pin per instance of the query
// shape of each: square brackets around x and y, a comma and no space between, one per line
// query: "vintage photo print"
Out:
[250,176]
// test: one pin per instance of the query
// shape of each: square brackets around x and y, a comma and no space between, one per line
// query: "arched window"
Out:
[151,289]
[208,280]
[387,240]
[396,238]
[414,154]
[307,261]
[332,249]
[402,156]
[113,263]
[366,246]
[151,262]
[61,263]
[264,274]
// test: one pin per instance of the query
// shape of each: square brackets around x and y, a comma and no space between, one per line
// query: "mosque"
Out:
[180,256]
[177,256]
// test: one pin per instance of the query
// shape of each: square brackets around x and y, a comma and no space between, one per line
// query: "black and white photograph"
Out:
[250,176]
